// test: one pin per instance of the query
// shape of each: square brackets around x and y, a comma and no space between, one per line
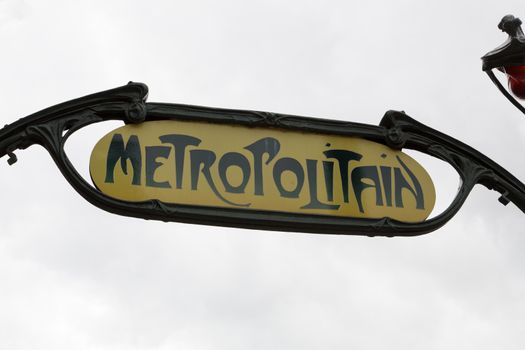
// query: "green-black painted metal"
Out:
[52,127]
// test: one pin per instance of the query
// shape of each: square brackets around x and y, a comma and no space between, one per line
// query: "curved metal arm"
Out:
[52,127]
[473,167]
[125,103]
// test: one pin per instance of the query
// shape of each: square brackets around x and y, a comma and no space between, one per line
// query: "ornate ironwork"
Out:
[52,127]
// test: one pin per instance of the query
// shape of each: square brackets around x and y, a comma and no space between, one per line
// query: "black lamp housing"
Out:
[510,54]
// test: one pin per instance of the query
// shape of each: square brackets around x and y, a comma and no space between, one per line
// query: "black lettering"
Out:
[386,176]
[343,158]
[328,168]
[295,167]
[400,183]
[269,146]
[152,153]
[234,159]
[117,151]
[366,172]
[179,142]
[311,167]
[206,159]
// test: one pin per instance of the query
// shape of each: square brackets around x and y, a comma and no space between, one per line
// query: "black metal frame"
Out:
[52,127]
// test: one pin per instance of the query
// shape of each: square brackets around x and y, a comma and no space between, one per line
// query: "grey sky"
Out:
[73,276]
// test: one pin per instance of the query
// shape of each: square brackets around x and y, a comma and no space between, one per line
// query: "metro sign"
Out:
[268,169]
[259,170]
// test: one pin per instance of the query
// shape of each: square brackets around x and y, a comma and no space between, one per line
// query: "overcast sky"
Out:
[75,277]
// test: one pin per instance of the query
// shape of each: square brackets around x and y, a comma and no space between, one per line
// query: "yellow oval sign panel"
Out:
[235,166]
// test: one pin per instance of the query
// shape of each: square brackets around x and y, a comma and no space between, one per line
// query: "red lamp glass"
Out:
[516,77]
